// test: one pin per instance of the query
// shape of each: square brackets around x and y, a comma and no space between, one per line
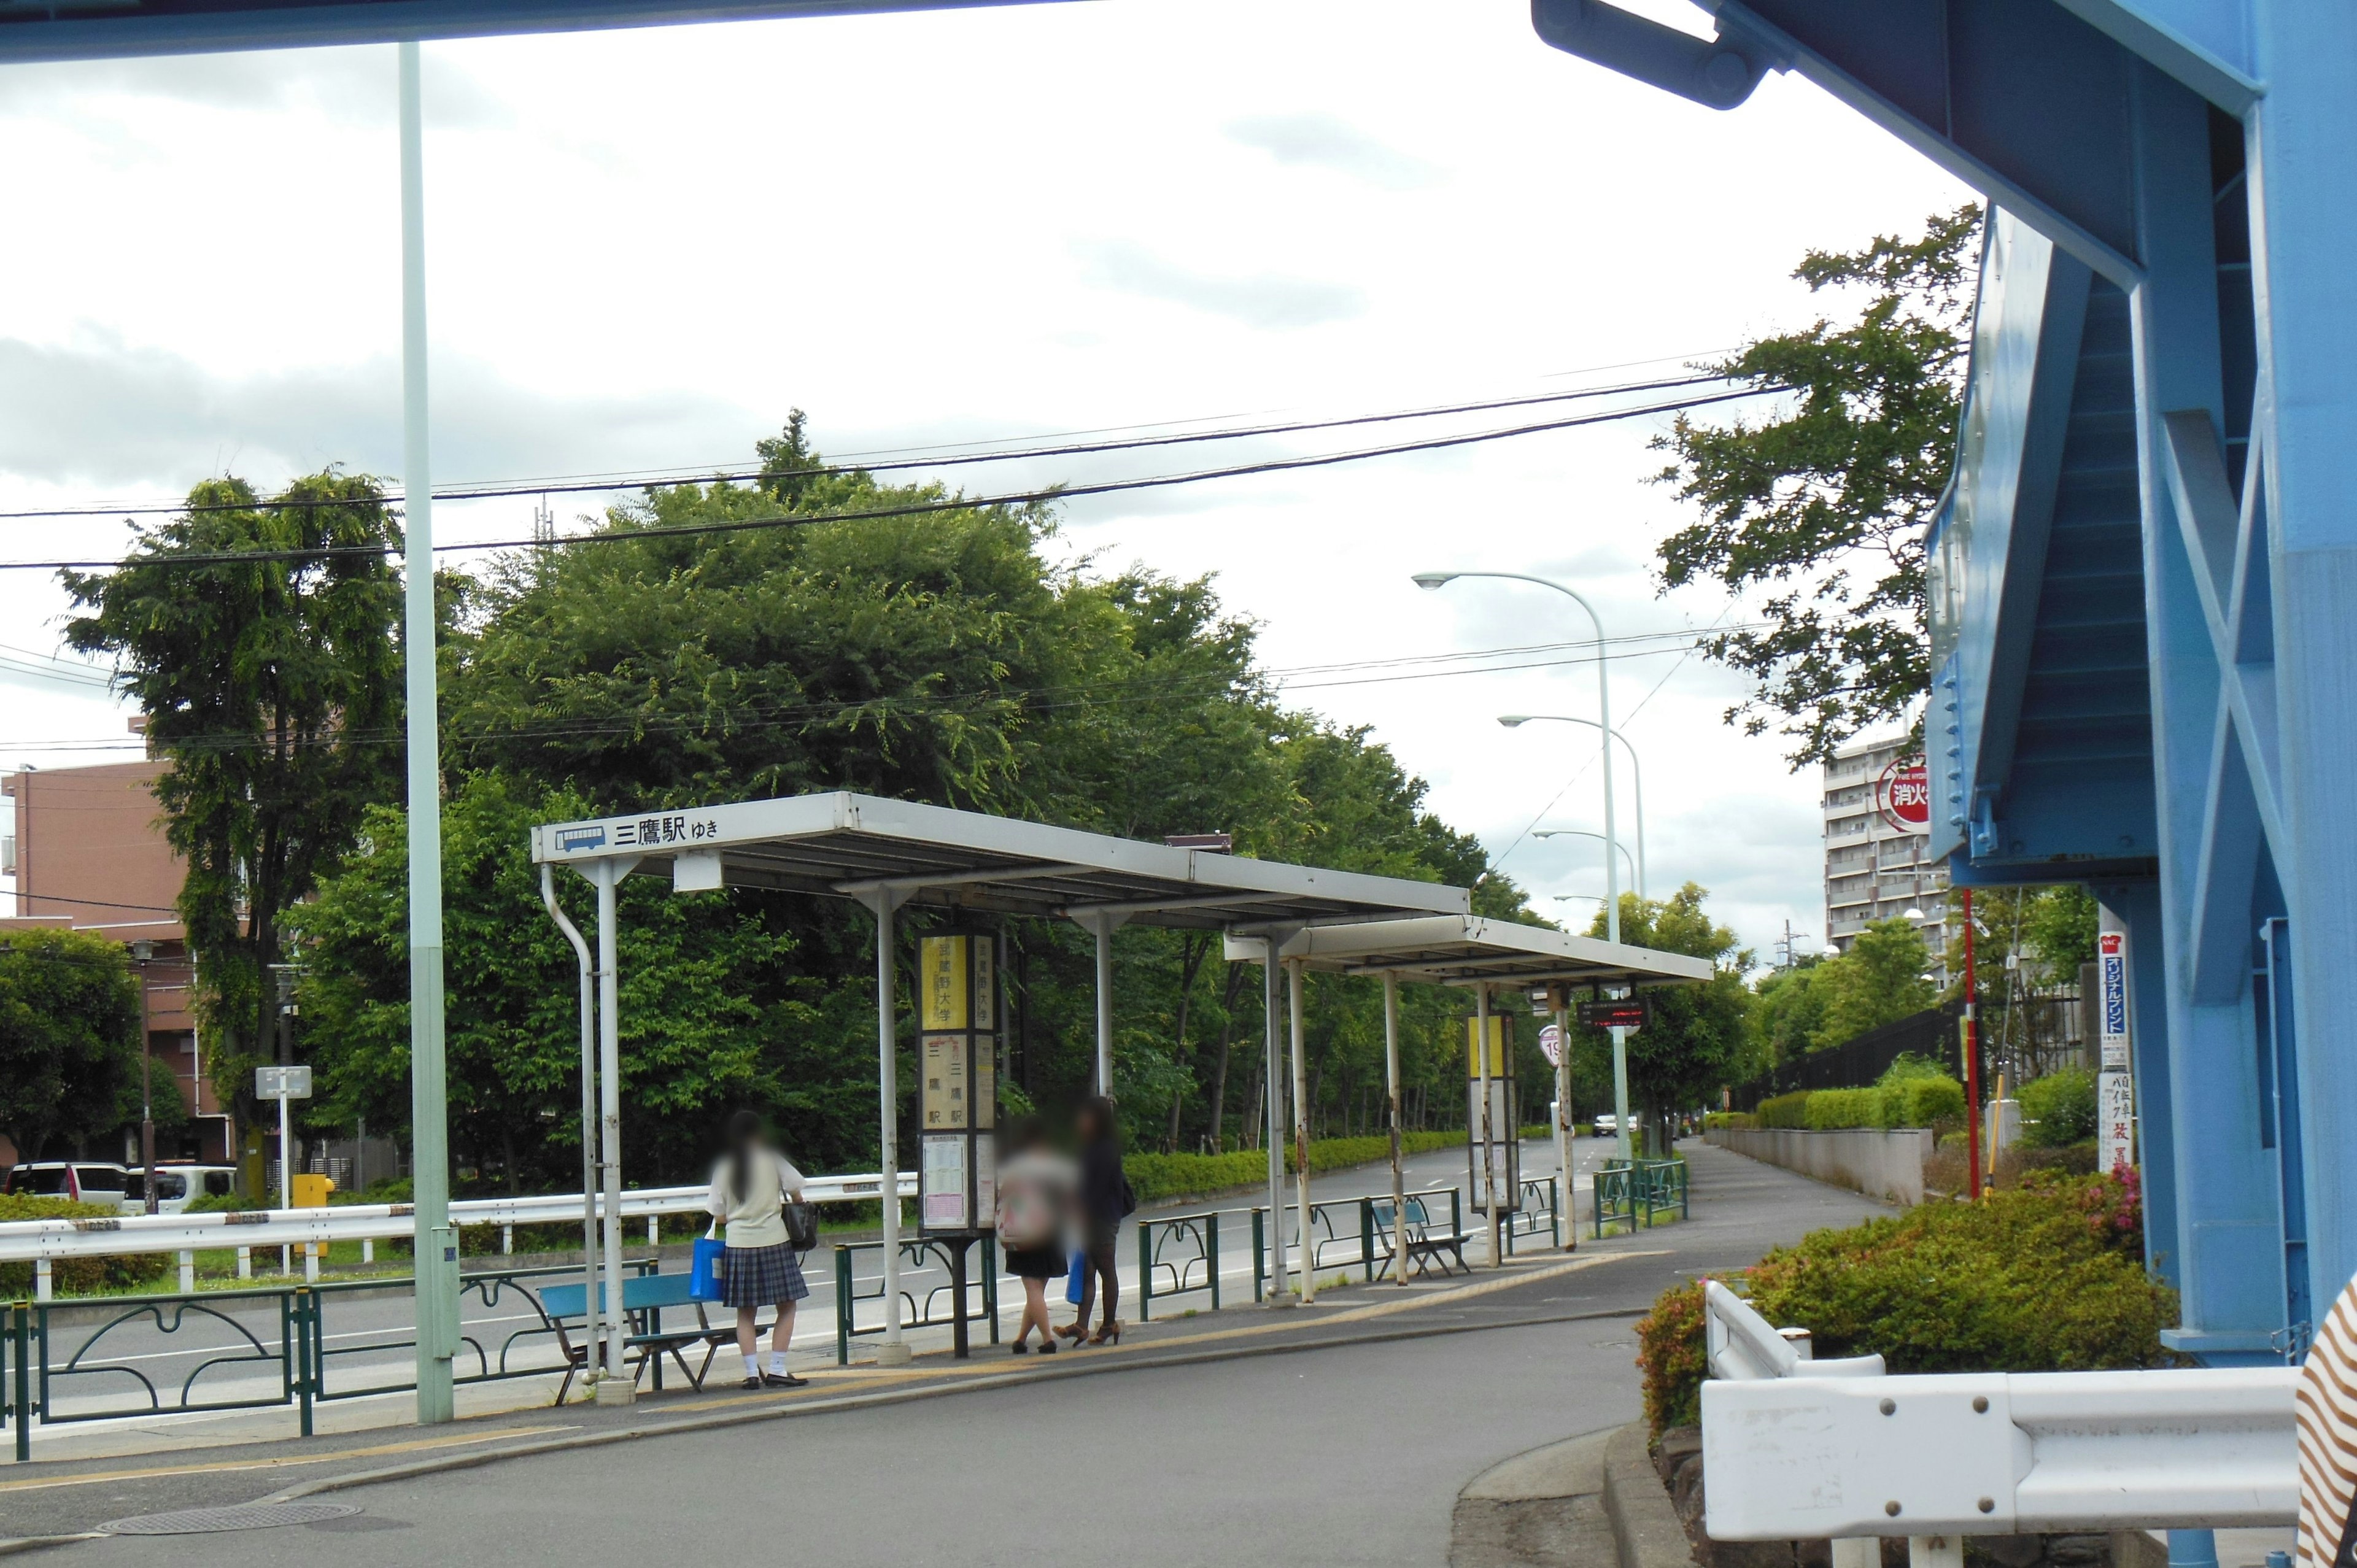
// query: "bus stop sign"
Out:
[1625,1013]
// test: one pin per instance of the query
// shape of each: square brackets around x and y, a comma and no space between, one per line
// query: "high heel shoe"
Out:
[1109,1334]
[1070,1331]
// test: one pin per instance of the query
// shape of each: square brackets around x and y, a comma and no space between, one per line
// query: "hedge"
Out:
[2047,1278]
[1159,1176]
[1728,1119]
[1897,1102]
[2059,1110]
[1783,1110]
[75,1276]
[1836,1108]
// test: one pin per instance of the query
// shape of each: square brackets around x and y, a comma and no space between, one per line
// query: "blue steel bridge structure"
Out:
[2143,578]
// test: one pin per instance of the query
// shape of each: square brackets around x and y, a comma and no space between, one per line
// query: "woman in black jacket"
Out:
[1103,1201]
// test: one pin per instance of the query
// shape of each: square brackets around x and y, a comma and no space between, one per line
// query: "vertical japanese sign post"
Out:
[957,1105]
[1494,1154]
[2115,1083]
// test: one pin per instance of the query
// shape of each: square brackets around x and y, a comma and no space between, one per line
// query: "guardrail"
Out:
[43,1242]
[1332,1244]
[244,1349]
[1638,1192]
[1200,1233]
[1540,1208]
[917,1251]
[1799,1449]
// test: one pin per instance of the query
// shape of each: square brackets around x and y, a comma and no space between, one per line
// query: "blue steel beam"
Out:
[71,31]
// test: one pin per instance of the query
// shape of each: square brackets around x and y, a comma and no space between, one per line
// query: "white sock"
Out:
[752,1365]
[777,1363]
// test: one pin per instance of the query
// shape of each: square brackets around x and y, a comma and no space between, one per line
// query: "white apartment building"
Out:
[1874,869]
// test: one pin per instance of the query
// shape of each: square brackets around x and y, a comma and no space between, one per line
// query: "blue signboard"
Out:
[68,30]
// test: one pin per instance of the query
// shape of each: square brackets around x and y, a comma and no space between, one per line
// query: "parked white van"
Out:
[176,1185]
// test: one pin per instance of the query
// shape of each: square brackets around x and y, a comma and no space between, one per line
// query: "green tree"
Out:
[709,1015]
[1880,980]
[271,684]
[1788,1012]
[1697,1039]
[68,1038]
[1822,507]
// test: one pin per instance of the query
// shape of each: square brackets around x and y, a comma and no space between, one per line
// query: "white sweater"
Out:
[755,1221]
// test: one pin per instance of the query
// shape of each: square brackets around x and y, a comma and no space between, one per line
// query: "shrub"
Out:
[1924,1102]
[1673,1352]
[217,1203]
[2040,1279]
[1783,1110]
[1730,1119]
[75,1276]
[1158,1176]
[1831,1108]
[2059,1110]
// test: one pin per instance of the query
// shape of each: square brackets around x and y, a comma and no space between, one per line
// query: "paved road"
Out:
[1332,1449]
[227,1351]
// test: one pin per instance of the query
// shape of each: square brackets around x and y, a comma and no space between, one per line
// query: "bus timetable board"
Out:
[957,1077]
[207,26]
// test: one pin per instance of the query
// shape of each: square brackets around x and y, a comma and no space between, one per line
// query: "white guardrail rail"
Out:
[1795,1449]
[46,1240]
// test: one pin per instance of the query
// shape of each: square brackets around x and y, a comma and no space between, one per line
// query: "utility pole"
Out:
[142,951]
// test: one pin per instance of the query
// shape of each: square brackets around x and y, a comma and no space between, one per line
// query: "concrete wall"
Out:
[1882,1164]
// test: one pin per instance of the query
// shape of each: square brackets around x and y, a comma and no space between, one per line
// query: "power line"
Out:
[1035,700]
[912,509]
[944,456]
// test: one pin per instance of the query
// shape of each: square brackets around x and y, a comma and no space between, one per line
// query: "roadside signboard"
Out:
[1622,1013]
[2115,1084]
[1903,795]
[1493,1151]
[957,1099]
[282,1083]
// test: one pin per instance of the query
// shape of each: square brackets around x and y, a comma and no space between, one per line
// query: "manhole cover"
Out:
[244,1516]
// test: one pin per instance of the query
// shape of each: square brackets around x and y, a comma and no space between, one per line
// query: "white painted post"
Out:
[368,1249]
[1935,1551]
[507,1240]
[654,1234]
[245,1263]
[1300,1134]
[41,1281]
[610,1108]
[1102,925]
[188,1273]
[1567,1195]
[1274,1097]
[1392,1084]
[429,1115]
[1484,1134]
[311,1262]
[894,1351]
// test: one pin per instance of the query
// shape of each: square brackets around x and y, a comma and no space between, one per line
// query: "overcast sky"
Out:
[645,247]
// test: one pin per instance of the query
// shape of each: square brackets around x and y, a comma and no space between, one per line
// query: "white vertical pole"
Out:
[1566,1197]
[1392,1083]
[1300,1134]
[1104,926]
[894,1351]
[606,875]
[588,971]
[1486,1135]
[438,1271]
[1274,1097]
[285,1150]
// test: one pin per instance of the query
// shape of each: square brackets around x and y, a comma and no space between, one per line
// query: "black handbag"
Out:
[801,1225]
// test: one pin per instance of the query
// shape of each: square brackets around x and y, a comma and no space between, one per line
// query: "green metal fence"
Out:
[1639,1192]
[1182,1249]
[67,1362]
[1539,1210]
[847,1296]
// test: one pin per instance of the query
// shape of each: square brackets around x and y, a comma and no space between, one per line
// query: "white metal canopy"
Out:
[886,854]
[852,844]
[1447,949]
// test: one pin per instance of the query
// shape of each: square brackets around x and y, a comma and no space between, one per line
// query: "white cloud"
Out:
[1329,142]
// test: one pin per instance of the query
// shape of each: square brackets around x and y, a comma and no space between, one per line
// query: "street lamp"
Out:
[1430,581]
[1583,833]
[142,952]
[1636,774]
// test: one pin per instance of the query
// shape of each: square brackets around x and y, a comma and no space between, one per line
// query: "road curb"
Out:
[1645,1529]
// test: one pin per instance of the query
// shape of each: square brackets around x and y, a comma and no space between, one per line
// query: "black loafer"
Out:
[784,1381]
[751,1383]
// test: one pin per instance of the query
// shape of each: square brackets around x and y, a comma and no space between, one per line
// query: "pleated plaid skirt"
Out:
[762,1276]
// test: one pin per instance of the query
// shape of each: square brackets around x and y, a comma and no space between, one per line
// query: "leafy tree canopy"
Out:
[1880,980]
[1697,1039]
[68,1038]
[1823,507]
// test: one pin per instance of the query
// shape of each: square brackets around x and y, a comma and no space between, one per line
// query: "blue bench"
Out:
[646,1340]
[1425,1243]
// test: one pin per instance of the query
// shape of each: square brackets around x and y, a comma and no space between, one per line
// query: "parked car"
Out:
[178,1183]
[83,1181]
[1608,1124]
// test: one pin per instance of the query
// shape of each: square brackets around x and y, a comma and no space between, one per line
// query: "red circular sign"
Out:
[1904,795]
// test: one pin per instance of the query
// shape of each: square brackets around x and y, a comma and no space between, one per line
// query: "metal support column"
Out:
[1274,1097]
[436,1245]
[608,875]
[882,902]
[1103,926]
[591,1334]
[1300,1131]
[1391,1085]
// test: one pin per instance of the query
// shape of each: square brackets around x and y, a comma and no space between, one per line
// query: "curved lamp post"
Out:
[1636,776]
[1431,581]
[1636,868]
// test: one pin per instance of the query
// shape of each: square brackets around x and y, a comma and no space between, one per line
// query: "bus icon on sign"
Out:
[1904,795]
[572,839]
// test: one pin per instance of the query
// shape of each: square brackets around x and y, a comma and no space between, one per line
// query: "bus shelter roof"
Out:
[1463,949]
[859,845]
